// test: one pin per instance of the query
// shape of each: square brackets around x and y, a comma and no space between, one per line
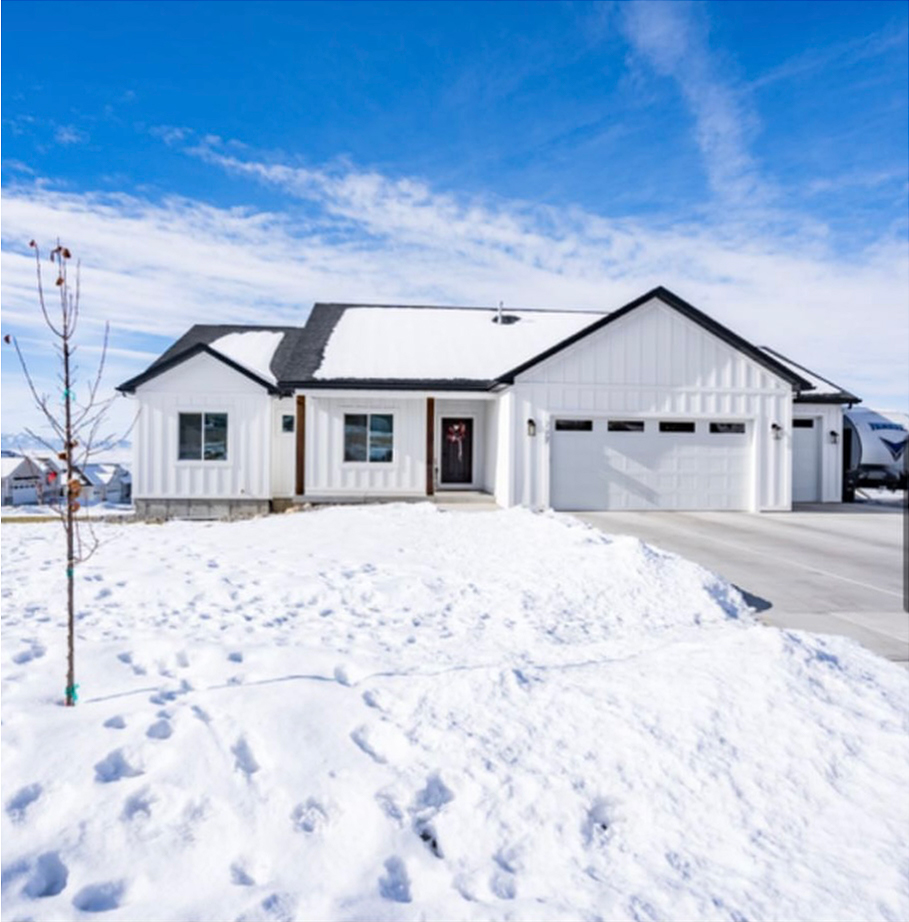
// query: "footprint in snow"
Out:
[117,722]
[342,676]
[245,760]
[395,885]
[240,877]
[35,651]
[503,885]
[17,806]
[277,907]
[371,699]
[101,897]
[137,806]
[48,877]
[361,737]
[114,767]
[160,730]
[235,657]
[309,817]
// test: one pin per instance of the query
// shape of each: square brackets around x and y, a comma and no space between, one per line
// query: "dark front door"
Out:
[457,449]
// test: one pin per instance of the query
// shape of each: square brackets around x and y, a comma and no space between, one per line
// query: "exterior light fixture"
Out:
[834,437]
[777,430]
[531,427]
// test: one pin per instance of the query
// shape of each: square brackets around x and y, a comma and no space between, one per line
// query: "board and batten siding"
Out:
[652,363]
[828,418]
[328,474]
[199,385]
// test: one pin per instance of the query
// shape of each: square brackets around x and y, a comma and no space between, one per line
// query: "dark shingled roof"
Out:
[301,351]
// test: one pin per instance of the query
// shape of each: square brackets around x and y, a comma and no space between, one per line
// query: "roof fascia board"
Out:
[390,384]
[687,310]
[841,395]
[408,393]
[129,387]
[827,398]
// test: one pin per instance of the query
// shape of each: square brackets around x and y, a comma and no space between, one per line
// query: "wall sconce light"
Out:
[777,430]
[834,437]
[531,427]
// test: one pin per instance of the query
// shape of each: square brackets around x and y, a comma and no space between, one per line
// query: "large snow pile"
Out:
[400,713]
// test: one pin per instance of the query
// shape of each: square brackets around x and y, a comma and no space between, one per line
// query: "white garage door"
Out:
[25,492]
[622,463]
[806,466]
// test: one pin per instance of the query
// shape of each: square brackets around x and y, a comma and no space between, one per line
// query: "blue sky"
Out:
[237,161]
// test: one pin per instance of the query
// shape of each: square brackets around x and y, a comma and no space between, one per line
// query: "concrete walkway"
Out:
[832,569]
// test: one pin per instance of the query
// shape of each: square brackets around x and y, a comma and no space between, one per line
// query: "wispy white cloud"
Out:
[672,36]
[155,267]
[842,54]
[69,134]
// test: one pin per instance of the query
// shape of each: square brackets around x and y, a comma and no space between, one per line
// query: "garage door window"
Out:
[626,425]
[727,428]
[803,424]
[676,427]
[574,425]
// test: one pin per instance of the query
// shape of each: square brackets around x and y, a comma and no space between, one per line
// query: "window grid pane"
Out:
[355,436]
[215,436]
[190,437]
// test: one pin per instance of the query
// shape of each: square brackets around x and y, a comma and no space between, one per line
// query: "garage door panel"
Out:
[650,469]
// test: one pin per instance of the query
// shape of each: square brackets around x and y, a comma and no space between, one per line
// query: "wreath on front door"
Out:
[456,434]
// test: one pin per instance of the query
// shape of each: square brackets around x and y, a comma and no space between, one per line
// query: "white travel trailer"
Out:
[875,448]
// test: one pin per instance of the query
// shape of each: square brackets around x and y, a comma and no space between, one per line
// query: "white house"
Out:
[106,482]
[21,481]
[652,406]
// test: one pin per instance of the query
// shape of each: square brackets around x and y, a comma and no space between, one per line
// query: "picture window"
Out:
[369,437]
[202,437]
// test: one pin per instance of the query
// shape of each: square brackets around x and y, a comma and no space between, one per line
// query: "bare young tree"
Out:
[75,424]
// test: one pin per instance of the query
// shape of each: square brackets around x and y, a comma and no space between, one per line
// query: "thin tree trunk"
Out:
[70,549]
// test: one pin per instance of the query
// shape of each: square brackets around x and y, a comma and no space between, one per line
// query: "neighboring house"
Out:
[652,406]
[107,483]
[22,481]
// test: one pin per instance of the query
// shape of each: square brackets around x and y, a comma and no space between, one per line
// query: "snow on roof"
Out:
[441,343]
[253,350]
[822,387]
[100,474]
[10,465]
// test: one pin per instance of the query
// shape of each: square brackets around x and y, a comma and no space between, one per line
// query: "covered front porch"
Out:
[363,446]
[463,449]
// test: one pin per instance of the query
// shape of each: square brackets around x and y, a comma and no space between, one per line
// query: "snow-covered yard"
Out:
[399,713]
[93,510]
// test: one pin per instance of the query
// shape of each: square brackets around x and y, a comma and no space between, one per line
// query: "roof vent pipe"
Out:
[501,305]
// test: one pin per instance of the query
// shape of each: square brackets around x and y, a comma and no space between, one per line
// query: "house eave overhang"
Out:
[390,384]
[797,382]
[129,387]
[842,397]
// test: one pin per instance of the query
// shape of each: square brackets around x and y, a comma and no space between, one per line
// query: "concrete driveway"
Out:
[832,569]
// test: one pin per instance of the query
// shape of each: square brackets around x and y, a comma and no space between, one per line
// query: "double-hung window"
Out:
[202,437]
[369,437]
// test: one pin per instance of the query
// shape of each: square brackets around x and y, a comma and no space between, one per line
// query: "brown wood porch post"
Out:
[430,445]
[300,487]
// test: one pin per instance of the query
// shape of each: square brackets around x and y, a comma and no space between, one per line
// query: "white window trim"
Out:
[367,464]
